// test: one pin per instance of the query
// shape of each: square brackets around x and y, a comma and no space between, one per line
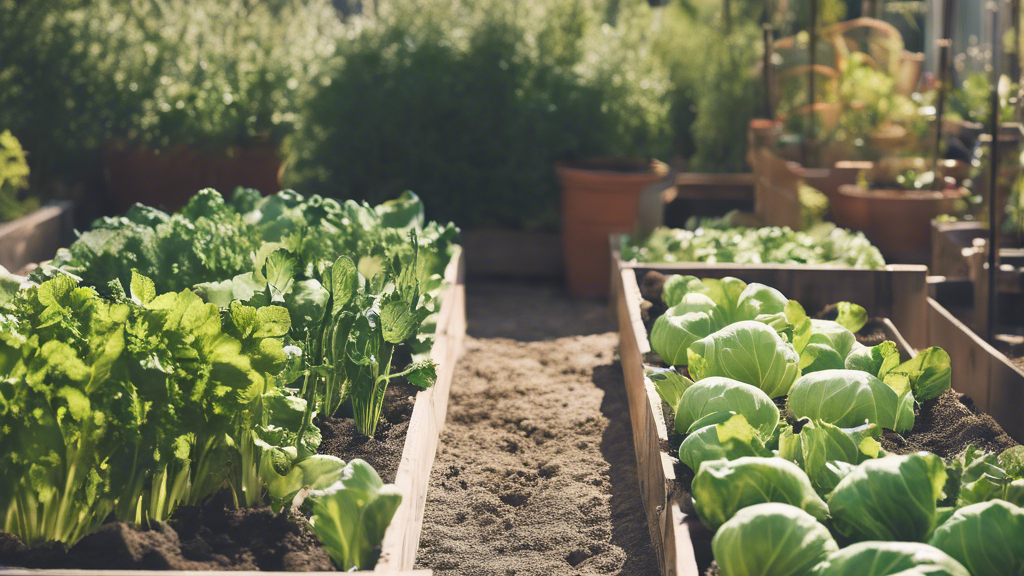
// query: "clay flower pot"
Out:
[898,222]
[599,197]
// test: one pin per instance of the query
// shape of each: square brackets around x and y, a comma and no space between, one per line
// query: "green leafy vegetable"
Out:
[890,498]
[721,435]
[723,487]
[846,398]
[750,352]
[828,453]
[987,538]
[715,394]
[890,559]
[772,539]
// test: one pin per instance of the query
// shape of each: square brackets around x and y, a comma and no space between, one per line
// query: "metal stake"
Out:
[993,193]
[945,45]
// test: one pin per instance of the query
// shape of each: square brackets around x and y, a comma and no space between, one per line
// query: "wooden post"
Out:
[769,70]
[945,45]
[813,47]
[993,194]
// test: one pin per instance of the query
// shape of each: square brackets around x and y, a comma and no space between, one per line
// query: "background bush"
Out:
[471,103]
[78,73]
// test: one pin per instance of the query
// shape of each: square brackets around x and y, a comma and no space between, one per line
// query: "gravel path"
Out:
[536,472]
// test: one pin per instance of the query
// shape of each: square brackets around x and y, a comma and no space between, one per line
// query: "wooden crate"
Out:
[674,532]
[35,237]
[898,291]
[401,540]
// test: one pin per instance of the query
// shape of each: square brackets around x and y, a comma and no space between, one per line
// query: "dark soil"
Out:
[384,451]
[212,537]
[536,472]
[946,426]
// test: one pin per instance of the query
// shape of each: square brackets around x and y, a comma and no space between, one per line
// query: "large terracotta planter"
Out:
[599,197]
[167,178]
[898,222]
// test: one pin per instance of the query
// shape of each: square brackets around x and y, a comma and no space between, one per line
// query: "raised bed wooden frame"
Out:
[669,526]
[35,237]
[401,540]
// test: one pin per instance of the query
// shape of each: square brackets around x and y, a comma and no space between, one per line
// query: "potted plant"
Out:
[600,196]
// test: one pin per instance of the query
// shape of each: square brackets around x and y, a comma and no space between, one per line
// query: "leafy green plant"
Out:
[351,515]
[890,498]
[714,395]
[889,558]
[475,101]
[722,488]
[722,242]
[986,538]
[14,180]
[748,351]
[849,398]
[774,539]
[827,453]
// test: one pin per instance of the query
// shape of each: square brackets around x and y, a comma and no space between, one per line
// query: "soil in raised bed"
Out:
[216,536]
[535,473]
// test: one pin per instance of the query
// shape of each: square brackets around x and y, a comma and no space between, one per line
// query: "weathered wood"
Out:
[499,252]
[980,371]
[776,190]
[701,186]
[402,539]
[35,237]
[948,242]
[671,529]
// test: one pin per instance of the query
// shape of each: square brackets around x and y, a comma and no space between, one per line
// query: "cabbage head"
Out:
[723,487]
[987,538]
[849,398]
[717,394]
[720,435]
[890,498]
[750,352]
[890,559]
[771,539]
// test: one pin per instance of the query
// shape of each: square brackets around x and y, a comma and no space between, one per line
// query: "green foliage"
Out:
[721,242]
[890,498]
[849,398]
[720,435]
[127,406]
[828,453]
[750,352]
[14,180]
[890,558]
[987,538]
[773,539]
[714,395]
[211,73]
[722,488]
[351,515]
[471,103]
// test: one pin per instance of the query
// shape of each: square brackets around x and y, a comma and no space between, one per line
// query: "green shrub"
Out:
[471,103]
[13,179]
[208,73]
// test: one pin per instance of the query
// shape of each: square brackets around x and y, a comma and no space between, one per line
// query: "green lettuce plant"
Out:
[351,515]
[720,435]
[987,538]
[773,539]
[828,453]
[748,351]
[721,488]
[890,498]
[850,398]
[715,395]
[890,559]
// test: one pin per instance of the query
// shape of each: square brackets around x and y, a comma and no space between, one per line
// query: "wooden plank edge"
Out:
[32,220]
[401,539]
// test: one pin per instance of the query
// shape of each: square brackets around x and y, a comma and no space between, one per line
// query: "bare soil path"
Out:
[536,473]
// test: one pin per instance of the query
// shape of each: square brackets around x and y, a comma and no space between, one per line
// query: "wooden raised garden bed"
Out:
[401,540]
[707,195]
[35,237]
[681,541]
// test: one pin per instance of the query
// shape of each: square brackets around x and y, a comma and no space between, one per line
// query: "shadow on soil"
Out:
[530,311]
[629,521]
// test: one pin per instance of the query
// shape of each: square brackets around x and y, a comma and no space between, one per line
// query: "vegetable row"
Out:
[809,489]
[165,358]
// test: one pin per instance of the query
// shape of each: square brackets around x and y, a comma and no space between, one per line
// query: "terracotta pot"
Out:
[898,222]
[599,197]
[169,177]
